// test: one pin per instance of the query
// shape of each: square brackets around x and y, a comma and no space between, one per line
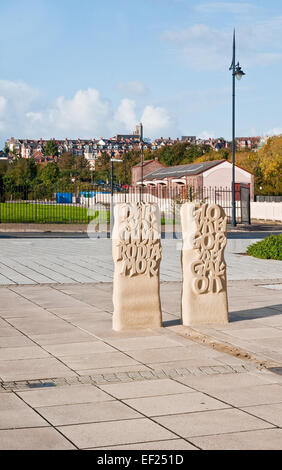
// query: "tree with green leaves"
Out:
[51,149]
[20,176]
[49,173]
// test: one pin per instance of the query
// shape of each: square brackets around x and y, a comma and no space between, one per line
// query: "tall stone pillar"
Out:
[136,245]
[204,294]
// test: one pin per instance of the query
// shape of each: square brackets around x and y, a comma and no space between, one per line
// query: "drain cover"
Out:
[42,385]
[276,370]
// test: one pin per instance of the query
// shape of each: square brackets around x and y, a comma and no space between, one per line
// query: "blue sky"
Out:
[86,68]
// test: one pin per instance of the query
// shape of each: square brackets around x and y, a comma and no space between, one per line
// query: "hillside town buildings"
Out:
[116,146]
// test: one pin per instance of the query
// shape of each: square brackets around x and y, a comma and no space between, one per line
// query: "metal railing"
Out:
[80,204]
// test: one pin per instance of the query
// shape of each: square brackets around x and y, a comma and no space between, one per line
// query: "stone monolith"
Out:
[204,295]
[136,245]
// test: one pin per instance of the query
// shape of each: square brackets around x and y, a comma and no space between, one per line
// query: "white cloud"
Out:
[126,114]
[228,7]
[3,103]
[86,114]
[133,88]
[205,48]
[274,131]
[206,135]
[15,100]
[200,46]
[156,121]
[34,116]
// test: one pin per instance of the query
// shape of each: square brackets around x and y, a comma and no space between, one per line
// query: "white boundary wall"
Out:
[266,211]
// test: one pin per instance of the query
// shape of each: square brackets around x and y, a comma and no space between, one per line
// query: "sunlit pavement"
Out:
[68,381]
[85,260]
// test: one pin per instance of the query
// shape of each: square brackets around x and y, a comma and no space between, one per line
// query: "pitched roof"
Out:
[183,170]
[146,162]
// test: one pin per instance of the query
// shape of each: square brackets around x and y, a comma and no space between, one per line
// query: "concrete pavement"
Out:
[77,260]
[69,382]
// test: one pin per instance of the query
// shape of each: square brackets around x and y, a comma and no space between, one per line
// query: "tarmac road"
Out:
[230,235]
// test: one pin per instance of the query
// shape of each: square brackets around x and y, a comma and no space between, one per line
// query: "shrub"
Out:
[269,248]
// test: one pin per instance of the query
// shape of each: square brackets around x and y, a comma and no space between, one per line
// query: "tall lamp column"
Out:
[238,73]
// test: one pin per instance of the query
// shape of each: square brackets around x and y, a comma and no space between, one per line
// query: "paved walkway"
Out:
[69,382]
[71,261]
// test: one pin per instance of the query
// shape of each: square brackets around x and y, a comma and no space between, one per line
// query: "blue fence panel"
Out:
[64,198]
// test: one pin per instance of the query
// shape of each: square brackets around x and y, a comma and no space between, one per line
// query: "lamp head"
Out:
[238,72]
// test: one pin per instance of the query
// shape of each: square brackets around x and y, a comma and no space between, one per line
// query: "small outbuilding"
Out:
[149,166]
[210,174]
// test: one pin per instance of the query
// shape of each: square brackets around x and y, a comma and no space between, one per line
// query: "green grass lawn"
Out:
[24,212]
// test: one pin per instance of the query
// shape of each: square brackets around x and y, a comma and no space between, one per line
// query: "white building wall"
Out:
[221,176]
[266,211]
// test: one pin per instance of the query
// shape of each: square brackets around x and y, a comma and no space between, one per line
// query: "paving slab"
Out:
[76,318]
[147,343]
[33,439]
[174,404]
[266,439]
[172,444]
[164,355]
[200,392]
[35,326]
[29,369]
[227,382]
[145,389]
[212,422]
[247,396]
[72,349]
[66,395]
[115,432]
[9,332]
[98,360]
[73,335]
[113,370]
[27,352]
[271,413]
[14,413]
[87,260]
[255,333]
[87,413]
[15,341]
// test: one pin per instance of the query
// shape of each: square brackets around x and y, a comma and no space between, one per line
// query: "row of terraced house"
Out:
[92,149]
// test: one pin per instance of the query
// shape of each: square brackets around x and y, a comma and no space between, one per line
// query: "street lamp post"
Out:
[142,169]
[238,73]
[112,193]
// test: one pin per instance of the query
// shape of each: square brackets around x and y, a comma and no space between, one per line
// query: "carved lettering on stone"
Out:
[210,241]
[204,296]
[137,256]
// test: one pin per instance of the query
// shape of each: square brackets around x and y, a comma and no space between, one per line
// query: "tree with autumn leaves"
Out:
[271,165]
[265,164]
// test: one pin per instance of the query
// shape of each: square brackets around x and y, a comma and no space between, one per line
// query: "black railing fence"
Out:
[80,204]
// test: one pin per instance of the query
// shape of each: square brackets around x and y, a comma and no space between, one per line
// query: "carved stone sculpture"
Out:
[136,249]
[204,295]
